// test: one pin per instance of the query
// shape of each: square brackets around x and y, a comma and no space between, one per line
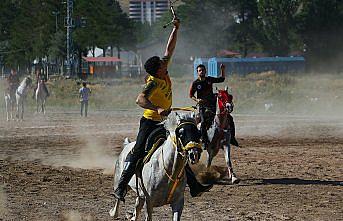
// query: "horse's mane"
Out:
[174,120]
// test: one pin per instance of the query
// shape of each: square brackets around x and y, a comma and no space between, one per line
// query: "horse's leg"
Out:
[138,207]
[18,107]
[6,106]
[114,212]
[12,109]
[37,105]
[148,210]
[22,110]
[44,110]
[231,174]
[177,208]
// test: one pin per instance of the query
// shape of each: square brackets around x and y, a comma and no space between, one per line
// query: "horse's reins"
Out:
[190,108]
[180,147]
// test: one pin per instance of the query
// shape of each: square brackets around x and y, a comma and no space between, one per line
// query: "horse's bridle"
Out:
[182,151]
[190,145]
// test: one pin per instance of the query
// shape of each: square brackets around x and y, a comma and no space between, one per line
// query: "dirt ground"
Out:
[59,167]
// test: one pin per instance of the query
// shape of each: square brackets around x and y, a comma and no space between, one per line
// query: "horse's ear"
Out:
[226,88]
[178,117]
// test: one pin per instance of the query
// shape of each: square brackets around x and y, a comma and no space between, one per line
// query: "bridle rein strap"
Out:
[180,169]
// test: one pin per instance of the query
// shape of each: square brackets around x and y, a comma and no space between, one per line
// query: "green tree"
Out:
[320,24]
[21,35]
[243,31]
[276,26]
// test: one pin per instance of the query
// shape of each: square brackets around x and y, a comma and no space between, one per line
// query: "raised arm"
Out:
[222,70]
[172,39]
[222,75]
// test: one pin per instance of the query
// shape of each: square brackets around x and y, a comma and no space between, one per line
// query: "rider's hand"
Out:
[176,22]
[163,112]
[200,101]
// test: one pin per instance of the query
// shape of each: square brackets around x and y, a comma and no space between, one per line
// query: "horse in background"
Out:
[10,104]
[162,180]
[219,133]
[41,95]
[21,94]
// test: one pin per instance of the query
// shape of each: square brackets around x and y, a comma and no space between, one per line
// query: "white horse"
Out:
[21,94]
[10,103]
[41,95]
[162,180]
[219,133]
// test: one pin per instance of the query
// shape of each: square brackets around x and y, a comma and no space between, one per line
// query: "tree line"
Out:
[28,29]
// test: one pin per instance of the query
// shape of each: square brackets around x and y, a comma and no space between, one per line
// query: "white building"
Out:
[147,10]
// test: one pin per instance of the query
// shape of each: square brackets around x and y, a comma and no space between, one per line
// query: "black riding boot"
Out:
[125,178]
[196,188]
[204,137]
[233,140]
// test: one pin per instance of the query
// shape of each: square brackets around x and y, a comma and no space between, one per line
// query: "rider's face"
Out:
[13,72]
[201,72]
[162,70]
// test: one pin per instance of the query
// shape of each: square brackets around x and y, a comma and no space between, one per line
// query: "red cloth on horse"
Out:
[223,98]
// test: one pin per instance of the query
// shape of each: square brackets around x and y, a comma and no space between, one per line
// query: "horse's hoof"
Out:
[235,180]
[112,213]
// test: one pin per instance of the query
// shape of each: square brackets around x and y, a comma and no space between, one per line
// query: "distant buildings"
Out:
[147,10]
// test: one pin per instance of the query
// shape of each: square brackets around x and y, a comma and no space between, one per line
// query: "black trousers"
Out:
[202,113]
[146,126]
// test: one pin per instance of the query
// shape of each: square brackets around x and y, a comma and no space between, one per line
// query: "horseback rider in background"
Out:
[206,99]
[13,83]
[40,77]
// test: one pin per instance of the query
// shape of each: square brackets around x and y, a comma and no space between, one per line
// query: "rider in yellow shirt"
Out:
[156,99]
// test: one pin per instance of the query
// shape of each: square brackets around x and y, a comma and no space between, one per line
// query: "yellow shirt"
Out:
[159,93]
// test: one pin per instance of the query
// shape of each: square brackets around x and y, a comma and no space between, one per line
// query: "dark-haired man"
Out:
[156,99]
[206,99]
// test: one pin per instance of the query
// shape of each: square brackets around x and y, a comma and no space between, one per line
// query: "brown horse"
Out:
[219,131]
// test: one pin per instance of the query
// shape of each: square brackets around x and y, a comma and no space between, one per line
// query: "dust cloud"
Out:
[76,216]
[93,156]
[270,104]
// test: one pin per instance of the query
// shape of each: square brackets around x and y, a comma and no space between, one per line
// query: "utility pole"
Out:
[69,25]
[56,13]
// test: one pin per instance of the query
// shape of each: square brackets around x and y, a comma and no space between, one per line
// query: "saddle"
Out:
[154,141]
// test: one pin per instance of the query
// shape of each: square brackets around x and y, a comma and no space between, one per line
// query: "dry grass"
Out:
[304,94]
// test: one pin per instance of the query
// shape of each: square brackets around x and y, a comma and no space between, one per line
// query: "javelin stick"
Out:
[191,108]
[174,15]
